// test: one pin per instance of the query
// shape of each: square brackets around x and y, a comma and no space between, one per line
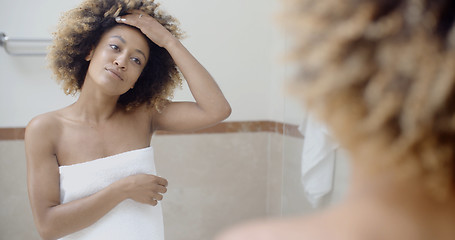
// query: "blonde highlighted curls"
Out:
[381,74]
[80,29]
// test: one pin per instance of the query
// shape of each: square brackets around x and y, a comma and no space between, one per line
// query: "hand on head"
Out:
[149,26]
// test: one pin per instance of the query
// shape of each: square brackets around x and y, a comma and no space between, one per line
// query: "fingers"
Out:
[153,179]
[151,199]
[132,18]
[158,197]
[126,20]
[162,181]
[160,189]
[146,188]
[148,25]
[154,200]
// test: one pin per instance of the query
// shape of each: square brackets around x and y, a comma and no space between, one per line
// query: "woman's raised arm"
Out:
[210,106]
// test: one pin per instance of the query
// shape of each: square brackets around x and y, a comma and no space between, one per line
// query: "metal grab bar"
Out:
[4,39]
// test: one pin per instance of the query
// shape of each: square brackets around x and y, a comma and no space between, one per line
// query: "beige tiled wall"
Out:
[16,220]
[215,180]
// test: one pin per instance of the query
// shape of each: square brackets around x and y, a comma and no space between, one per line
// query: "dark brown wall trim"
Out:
[224,127]
[12,133]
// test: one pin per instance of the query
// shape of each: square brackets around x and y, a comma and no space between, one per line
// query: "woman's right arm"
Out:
[54,220]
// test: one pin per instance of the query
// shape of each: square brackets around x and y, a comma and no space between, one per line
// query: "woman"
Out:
[381,74]
[90,165]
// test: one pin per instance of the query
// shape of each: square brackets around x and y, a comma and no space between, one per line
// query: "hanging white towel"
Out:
[318,160]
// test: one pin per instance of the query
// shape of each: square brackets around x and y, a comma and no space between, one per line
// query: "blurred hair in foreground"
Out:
[381,74]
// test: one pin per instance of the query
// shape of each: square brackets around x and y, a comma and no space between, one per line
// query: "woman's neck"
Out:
[95,107]
[387,193]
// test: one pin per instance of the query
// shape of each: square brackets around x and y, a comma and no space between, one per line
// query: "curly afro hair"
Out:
[381,74]
[81,28]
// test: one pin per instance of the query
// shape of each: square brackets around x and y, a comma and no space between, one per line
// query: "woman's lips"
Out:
[115,72]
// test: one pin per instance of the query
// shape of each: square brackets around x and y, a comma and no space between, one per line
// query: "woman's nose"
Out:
[120,62]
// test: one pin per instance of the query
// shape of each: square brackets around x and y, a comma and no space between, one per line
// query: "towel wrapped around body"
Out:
[128,220]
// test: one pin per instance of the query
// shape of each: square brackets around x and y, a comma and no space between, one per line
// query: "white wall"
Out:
[26,88]
[238,41]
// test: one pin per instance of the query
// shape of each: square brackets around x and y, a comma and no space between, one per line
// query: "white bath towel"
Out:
[128,220]
[318,160]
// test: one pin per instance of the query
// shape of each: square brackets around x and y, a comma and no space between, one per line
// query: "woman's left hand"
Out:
[149,26]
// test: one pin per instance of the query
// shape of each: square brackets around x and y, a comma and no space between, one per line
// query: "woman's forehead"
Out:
[127,35]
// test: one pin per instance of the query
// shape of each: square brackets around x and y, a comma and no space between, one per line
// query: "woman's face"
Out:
[118,60]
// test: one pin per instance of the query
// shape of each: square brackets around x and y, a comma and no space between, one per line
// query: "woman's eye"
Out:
[137,61]
[113,46]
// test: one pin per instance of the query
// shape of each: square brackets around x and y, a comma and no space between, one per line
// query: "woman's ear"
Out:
[89,56]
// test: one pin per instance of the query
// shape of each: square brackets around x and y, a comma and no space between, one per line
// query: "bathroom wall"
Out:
[239,42]
[215,180]
[218,177]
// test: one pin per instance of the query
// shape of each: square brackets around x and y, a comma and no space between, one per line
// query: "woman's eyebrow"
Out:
[139,51]
[119,37]
[123,41]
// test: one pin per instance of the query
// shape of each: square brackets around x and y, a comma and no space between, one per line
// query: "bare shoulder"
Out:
[43,130]
[47,122]
[301,228]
